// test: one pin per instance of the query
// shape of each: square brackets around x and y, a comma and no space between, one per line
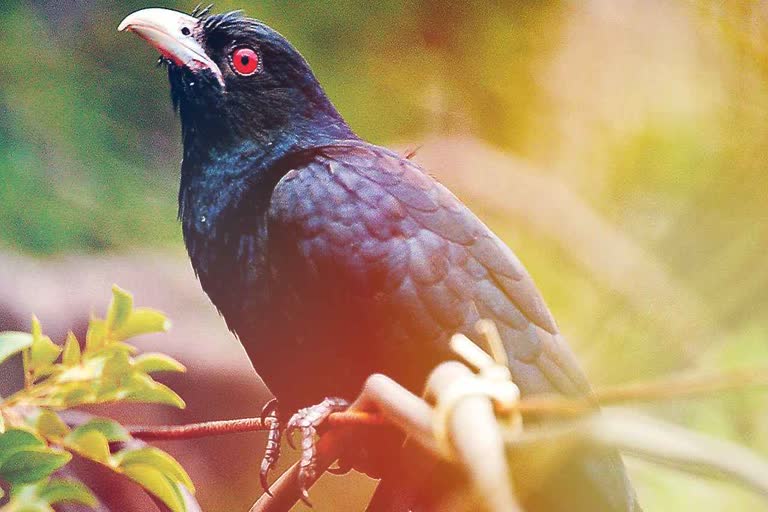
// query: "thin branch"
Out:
[197,430]
[684,386]
[383,402]
[235,426]
[475,434]
[667,388]
[662,389]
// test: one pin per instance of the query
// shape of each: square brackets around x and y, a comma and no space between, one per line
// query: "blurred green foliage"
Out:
[654,112]
[87,132]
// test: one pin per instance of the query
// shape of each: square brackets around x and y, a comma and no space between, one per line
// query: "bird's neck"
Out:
[223,200]
[231,166]
[225,169]
[261,130]
[215,162]
[222,152]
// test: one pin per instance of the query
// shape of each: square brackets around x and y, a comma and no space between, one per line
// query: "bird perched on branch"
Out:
[332,258]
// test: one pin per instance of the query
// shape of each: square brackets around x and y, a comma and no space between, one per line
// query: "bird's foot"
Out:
[306,421]
[272,451]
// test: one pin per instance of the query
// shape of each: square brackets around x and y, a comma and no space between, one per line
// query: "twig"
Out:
[476,439]
[397,406]
[662,389]
[196,430]
[383,402]
[234,426]
[683,386]
[379,391]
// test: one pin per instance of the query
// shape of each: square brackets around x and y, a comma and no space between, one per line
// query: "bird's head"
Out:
[235,80]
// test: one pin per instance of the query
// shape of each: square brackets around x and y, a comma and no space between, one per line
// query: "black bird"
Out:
[332,258]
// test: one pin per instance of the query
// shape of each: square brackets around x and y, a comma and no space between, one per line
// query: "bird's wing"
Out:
[374,224]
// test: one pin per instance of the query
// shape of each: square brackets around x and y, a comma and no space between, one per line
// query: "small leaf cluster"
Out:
[34,440]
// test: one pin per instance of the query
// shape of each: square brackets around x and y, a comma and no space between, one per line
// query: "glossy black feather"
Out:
[332,258]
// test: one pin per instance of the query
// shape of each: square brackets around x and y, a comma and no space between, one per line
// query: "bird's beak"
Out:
[172,33]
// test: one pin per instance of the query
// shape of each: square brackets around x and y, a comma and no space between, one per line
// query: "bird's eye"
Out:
[245,61]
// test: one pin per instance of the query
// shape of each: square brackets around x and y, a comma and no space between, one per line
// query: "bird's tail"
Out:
[588,481]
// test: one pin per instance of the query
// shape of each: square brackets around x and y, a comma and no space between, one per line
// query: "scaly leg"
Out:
[272,452]
[306,421]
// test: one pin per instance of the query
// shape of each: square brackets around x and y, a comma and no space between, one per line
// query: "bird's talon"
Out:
[264,477]
[272,451]
[269,410]
[305,498]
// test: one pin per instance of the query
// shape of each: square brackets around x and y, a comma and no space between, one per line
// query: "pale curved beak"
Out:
[172,33]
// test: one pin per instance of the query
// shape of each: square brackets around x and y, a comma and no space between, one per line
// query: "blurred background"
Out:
[618,146]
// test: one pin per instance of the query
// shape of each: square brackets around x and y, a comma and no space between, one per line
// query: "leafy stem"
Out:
[35,442]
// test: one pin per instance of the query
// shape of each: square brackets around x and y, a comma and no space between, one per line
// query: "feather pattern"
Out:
[392,245]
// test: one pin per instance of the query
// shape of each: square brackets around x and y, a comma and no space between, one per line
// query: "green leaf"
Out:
[36,506]
[110,429]
[37,329]
[143,388]
[91,444]
[80,373]
[70,491]
[153,362]
[71,356]
[142,321]
[25,498]
[48,424]
[31,464]
[119,309]
[158,459]
[16,439]
[95,338]
[116,347]
[157,483]
[117,366]
[43,351]
[71,394]
[12,343]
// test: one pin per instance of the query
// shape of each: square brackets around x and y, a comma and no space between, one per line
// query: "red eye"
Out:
[245,61]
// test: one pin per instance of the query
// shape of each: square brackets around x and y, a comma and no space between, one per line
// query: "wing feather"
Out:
[367,221]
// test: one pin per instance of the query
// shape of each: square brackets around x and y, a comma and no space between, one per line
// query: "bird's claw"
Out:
[306,421]
[272,451]
[266,467]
